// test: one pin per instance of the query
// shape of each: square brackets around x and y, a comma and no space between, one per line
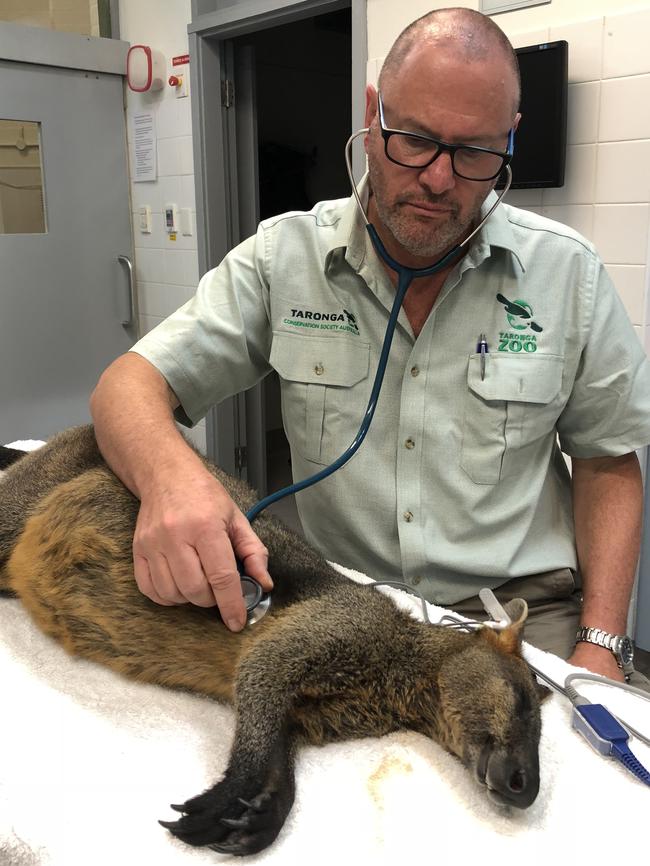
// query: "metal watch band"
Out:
[590,634]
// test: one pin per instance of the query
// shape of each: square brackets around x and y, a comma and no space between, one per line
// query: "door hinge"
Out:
[227,93]
[241,457]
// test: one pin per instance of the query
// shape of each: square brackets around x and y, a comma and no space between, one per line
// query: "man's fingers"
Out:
[220,570]
[144,580]
[251,552]
[185,566]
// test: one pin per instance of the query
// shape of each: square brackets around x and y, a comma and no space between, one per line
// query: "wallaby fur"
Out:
[332,659]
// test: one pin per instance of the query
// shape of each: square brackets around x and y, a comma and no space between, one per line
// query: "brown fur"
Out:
[332,659]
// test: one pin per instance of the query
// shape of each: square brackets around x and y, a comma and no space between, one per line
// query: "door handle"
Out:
[129,317]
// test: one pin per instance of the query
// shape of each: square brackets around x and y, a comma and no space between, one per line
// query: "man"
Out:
[459,483]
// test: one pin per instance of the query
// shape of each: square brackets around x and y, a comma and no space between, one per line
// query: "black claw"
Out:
[225,848]
[177,808]
[248,804]
[169,825]
[235,823]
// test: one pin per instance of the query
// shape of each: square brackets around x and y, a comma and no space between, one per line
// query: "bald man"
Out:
[460,482]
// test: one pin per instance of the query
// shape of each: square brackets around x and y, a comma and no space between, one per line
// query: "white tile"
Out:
[158,299]
[623,172]
[148,323]
[156,239]
[529,37]
[166,117]
[630,284]
[150,266]
[579,178]
[181,267]
[169,162]
[170,190]
[585,40]
[188,193]
[621,233]
[146,192]
[578,216]
[626,44]
[186,154]
[625,108]
[181,242]
[582,112]
[525,198]
[183,116]
[373,67]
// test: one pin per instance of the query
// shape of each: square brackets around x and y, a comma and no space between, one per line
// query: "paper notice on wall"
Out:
[143,147]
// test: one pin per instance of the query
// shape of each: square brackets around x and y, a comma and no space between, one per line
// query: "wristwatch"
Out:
[620,645]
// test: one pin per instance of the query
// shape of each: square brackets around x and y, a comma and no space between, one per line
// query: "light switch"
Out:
[186,221]
[171,218]
[145,219]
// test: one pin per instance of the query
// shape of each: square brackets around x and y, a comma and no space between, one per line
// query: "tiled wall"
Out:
[606,196]
[607,193]
[167,270]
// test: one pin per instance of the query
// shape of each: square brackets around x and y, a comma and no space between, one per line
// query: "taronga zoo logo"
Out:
[518,310]
[323,321]
[520,318]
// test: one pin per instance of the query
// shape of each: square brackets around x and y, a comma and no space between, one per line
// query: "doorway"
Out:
[268,140]
[302,79]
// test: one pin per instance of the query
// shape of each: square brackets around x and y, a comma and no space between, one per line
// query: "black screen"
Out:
[540,140]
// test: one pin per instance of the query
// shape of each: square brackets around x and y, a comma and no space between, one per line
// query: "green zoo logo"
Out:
[517,342]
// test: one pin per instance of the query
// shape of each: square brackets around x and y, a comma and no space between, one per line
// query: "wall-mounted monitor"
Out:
[540,141]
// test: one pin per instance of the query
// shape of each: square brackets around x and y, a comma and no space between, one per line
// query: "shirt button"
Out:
[409,443]
[408,516]
[319,369]
[415,371]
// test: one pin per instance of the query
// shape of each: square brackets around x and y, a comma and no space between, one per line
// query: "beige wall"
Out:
[70,16]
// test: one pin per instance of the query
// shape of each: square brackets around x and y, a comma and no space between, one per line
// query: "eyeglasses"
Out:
[418,151]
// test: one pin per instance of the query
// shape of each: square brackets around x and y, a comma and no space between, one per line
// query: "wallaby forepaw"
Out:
[231,824]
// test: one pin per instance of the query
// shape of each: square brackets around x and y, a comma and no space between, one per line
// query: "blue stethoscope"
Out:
[256,600]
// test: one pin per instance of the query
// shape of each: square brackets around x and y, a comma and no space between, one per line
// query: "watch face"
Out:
[626,650]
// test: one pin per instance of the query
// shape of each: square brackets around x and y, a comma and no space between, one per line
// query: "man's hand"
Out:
[596,659]
[186,539]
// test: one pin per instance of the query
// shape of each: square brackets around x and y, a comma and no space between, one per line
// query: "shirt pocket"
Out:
[508,412]
[324,387]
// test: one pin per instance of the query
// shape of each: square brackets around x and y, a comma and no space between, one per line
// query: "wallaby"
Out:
[332,658]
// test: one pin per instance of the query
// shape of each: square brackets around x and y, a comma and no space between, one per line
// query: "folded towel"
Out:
[89,761]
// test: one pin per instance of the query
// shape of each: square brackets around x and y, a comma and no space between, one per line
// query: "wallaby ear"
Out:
[509,639]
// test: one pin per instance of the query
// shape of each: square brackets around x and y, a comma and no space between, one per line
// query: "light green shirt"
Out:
[459,483]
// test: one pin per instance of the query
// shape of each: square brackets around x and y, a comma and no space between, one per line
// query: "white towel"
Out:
[89,761]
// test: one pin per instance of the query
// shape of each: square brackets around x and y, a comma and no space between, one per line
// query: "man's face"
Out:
[426,211]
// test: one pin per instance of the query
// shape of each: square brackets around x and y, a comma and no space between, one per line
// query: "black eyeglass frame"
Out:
[443,147]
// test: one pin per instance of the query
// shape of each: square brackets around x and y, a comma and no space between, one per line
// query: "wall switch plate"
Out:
[145,219]
[186,221]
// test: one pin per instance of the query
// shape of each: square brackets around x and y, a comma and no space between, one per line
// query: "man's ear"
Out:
[515,122]
[371,104]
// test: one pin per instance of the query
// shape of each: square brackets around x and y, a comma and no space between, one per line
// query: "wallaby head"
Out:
[490,709]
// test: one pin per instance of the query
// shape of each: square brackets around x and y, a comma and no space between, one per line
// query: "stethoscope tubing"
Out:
[405,277]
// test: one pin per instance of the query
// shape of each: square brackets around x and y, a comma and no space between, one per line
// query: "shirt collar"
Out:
[351,239]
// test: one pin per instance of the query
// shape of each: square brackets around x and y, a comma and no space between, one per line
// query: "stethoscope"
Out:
[256,600]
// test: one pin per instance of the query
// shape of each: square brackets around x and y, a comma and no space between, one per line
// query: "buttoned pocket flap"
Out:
[522,378]
[320,360]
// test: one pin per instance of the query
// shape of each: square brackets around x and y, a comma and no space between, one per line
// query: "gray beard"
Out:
[416,239]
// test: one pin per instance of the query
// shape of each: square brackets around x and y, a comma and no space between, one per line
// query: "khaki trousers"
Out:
[554,604]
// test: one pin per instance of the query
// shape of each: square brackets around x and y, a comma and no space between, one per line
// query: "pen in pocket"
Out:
[482,348]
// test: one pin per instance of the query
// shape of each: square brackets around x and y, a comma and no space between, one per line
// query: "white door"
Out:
[66,309]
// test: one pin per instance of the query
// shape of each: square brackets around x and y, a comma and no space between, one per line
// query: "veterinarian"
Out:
[460,483]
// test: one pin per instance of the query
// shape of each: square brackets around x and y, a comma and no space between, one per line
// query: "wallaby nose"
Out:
[517,781]
[512,784]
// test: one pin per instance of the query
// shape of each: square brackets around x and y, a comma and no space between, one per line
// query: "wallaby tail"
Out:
[9,456]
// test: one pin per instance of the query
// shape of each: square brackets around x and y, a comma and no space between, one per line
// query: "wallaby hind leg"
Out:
[72,568]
